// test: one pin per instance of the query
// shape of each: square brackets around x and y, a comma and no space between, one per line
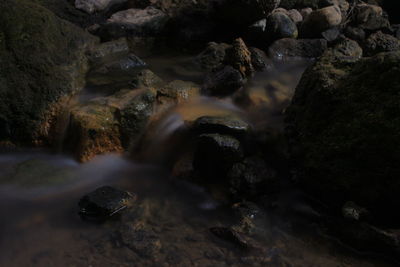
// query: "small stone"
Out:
[295,16]
[331,34]
[104,202]
[223,81]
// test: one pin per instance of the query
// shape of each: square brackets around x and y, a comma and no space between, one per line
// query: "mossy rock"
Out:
[42,62]
[344,128]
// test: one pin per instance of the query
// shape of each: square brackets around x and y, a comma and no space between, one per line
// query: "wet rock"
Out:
[305,12]
[288,48]
[223,81]
[215,154]
[108,124]
[140,239]
[370,17]
[108,50]
[346,51]
[343,5]
[259,59]
[147,22]
[352,211]
[212,56]
[239,57]
[228,125]
[252,177]
[347,136]
[279,25]
[104,202]
[42,64]
[380,42]
[321,20]
[92,6]
[178,91]
[354,33]
[146,78]
[230,235]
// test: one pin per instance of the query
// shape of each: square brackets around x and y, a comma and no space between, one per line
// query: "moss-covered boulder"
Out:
[344,128]
[42,63]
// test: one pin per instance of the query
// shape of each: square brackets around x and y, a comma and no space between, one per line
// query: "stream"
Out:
[39,192]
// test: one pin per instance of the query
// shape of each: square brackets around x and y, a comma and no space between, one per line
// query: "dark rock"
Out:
[354,33]
[259,59]
[342,4]
[297,49]
[346,51]
[92,6]
[212,56]
[370,17]
[230,235]
[331,34]
[239,57]
[305,12]
[380,42]
[279,25]
[295,16]
[252,177]
[42,64]
[352,211]
[222,125]
[149,22]
[146,78]
[223,81]
[344,140]
[104,202]
[107,51]
[177,92]
[215,154]
[320,20]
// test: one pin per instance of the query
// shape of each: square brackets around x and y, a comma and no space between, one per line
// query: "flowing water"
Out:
[39,192]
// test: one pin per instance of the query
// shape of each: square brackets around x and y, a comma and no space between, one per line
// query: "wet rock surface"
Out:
[104,202]
[297,49]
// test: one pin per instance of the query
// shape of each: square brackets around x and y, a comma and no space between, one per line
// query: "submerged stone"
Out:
[104,202]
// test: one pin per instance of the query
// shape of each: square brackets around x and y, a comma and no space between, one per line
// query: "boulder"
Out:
[42,65]
[370,17]
[239,57]
[279,25]
[223,81]
[289,48]
[228,125]
[321,20]
[380,42]
[108,124]
[212,56]
[92,6]
[148,22]
[343,126]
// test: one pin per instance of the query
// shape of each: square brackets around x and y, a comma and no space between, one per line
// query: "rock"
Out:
[149,22]
[279,25]
[178,91]
[346,51]
[380,42]
[342,137]
[108,124]
[288,4]
[42,65]
[288,48]
[104,202]
[146,78]
[230,235]
[215,154]
[356,34]
[295,16]
[259,59]
[321,20]
[228,125]
[108,50]
[92,6]
[343,5]
[331,34]
[212,56]
[396,30]
[370,17]
[239,57]
[223,81]
[252,178]
[352,211]
[305,12]
[141,240]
